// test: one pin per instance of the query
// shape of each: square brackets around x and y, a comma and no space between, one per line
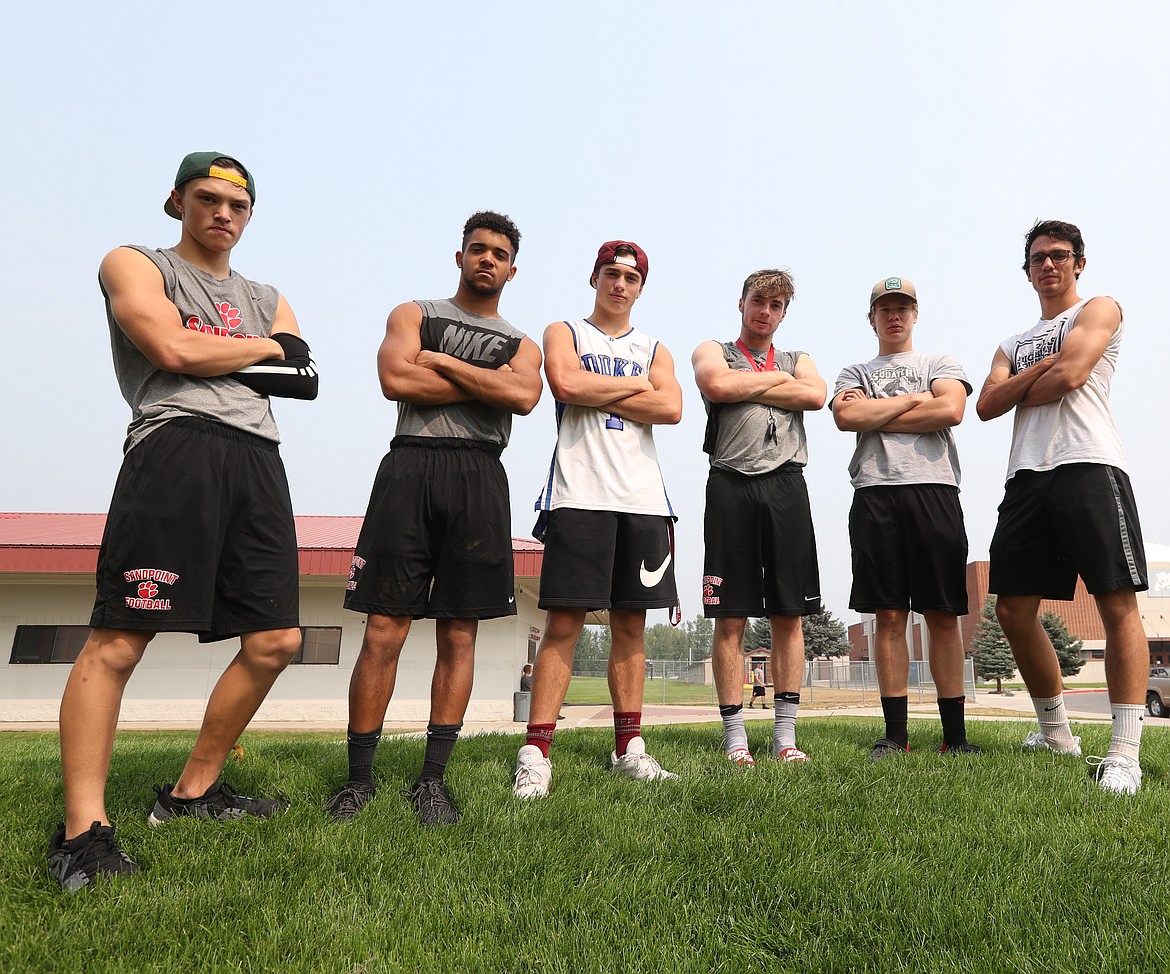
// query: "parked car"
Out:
[1158,692]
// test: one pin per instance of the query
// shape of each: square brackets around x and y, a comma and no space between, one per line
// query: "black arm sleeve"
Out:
[293,377]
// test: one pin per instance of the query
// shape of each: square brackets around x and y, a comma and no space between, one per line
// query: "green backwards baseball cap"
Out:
[199,165]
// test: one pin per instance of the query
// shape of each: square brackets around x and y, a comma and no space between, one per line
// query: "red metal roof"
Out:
[61,543]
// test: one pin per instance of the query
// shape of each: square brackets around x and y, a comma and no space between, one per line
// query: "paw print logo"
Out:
[230,315]
[147,590]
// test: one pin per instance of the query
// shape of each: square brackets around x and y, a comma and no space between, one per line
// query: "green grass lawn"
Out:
[595,690]
[1007,863]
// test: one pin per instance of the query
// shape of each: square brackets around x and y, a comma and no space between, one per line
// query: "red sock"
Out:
[541,736]
[625,728]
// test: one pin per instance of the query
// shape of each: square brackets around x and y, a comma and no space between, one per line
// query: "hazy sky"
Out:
[847,141]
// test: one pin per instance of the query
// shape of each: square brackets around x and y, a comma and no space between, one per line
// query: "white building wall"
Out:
[177,673]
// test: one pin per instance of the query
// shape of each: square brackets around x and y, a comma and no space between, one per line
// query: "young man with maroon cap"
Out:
[200,535]
[436,542]
[760,553]
[605,519]
[906,525]
[1068,507]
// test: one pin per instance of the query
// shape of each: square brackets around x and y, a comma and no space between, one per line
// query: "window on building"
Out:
[320,645]
[48,644]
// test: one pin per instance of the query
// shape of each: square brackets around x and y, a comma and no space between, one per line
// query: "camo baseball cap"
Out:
[199,165]
[892,285]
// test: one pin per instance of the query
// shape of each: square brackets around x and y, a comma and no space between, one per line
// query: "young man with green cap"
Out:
[199,536]
[906,525]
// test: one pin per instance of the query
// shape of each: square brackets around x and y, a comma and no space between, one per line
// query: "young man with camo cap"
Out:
[200,535]
[760,550]
[906,525]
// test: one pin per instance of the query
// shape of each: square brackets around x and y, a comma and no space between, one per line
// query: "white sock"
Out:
[734,733]
[784,732]
[1053,720]
[1127,730]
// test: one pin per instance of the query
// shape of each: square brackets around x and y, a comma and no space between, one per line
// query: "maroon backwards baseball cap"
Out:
[608,254]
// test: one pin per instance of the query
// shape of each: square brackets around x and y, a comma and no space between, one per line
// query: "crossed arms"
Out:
[655,397]
[410,373]
[1054,377]
[803,389]
[138,301]
[912,412]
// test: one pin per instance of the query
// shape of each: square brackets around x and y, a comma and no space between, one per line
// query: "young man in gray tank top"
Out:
[906,529]
[1068,507]
[760,550]
[436,542]
[201,453]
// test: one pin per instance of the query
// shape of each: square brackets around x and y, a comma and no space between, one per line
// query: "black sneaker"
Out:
[885,747]
[349,801]
[964,748]
[219,802]
[77,863]
[433,804]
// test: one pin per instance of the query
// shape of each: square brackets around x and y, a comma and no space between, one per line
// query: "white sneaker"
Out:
[1116,773]
[533,773]
[637,764]
[791,755]
[1038,742]
[741,756]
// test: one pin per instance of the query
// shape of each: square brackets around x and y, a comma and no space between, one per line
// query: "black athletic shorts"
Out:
[757,691]
[909,549]
[436,541]
[1077,519]
[607,560]
[760,552]
[200,536]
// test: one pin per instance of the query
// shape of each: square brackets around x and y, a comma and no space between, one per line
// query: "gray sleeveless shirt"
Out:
[484,342]
[235,307]
[753,439]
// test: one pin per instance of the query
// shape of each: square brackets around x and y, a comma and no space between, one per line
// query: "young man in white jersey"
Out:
[906,528]
[436,541]
[1068,507]
[605,518]
[760,554]
[200,535]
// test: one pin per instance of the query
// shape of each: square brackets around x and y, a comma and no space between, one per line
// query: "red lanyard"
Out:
[768,363]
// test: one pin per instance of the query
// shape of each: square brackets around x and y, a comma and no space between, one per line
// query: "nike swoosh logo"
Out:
[650,579]
[1051,708]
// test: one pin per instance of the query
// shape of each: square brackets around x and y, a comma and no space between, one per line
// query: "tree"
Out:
[666,642]
[589,646]
[1067,646]
[992,654]
[824,636]
[700,633]
[758,635]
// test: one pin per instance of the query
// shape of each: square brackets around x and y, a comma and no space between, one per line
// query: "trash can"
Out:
[521,706]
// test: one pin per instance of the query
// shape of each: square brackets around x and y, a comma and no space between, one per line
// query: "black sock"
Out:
[441,740]
[950,709]
[361,749]
[894,710]
[730,710]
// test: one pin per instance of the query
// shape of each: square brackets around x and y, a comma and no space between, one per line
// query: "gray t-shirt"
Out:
[883,459]
[484,342]
[753,439]
[235,307]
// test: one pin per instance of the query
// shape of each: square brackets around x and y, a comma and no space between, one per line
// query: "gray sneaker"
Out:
[80,861]
[352,798]
[218,802]
[433,804]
